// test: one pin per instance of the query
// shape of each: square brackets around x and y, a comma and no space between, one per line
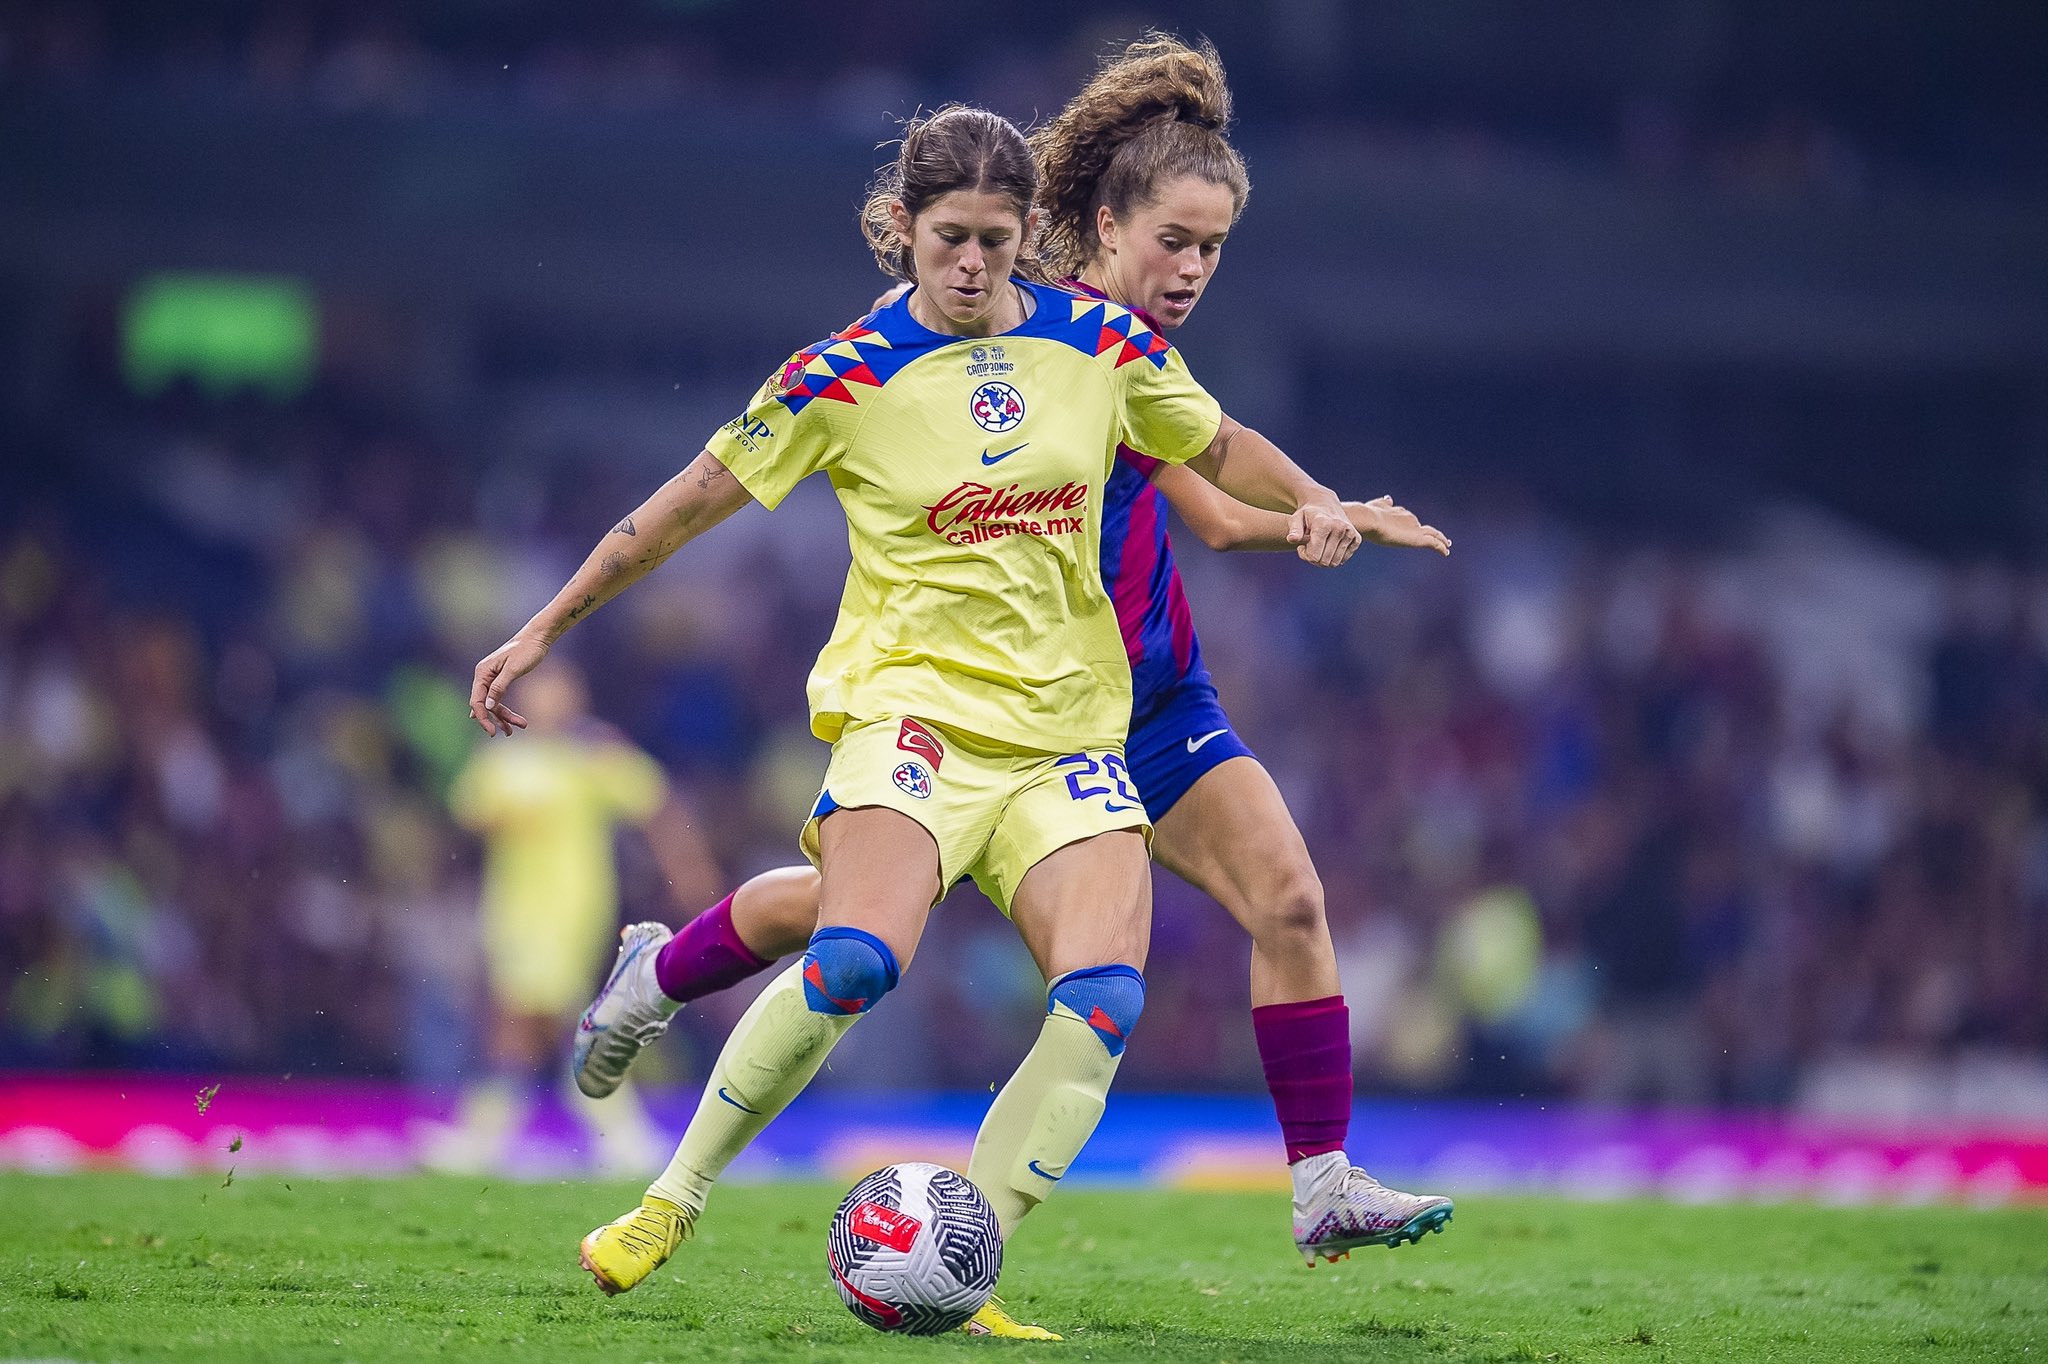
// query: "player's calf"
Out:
[1048,1110]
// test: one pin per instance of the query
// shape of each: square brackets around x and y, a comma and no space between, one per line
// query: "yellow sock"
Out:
[1043,1117]
[774,1050]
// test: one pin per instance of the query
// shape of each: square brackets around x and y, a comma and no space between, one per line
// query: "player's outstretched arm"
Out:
[1252,469]
[1382,522]
[683,508]
[1222,522]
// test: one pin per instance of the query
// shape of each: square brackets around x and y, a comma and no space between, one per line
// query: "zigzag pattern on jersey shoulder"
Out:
[1097,327]
[863,356]
[837,368]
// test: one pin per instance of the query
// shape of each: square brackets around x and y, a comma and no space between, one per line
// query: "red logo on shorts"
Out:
[883,1225]
[915,738]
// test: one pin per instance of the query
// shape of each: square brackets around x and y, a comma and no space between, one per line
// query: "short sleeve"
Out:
[783,437]
[1166,414]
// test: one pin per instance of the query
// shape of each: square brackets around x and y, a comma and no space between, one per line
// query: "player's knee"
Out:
[1292,907]
[1106,998]
[847,971]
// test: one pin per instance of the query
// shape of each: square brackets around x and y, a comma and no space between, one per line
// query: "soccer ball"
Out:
[915,1248]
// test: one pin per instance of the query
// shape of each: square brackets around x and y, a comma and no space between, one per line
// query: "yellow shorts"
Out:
[546,963]
[994,810]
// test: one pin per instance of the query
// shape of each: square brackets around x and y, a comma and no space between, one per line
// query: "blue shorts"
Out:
[1177,743]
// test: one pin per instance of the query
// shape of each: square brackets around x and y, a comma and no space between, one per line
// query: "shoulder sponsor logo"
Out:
[915,738]
[996,407]
[750,434]
[913,781]
[1195,745]
[975,512]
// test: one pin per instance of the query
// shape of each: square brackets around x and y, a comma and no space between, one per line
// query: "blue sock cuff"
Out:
[1093,973]
[891,972]
[1106,998]
[846,971]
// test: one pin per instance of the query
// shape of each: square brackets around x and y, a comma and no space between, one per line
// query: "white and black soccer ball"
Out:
[915,1248]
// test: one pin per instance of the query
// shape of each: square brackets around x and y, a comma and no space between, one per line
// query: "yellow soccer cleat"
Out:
[992,1320]
[620,1254]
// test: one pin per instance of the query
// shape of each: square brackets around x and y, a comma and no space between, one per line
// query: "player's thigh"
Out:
[1087,904]
[878,872]
[1231,837]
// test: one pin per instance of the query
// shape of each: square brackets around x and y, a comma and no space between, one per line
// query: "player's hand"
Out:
[1384,523]
[1322,534]
[503,666]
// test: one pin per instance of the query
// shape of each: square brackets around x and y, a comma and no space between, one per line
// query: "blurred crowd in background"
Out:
[1676,92]
[1620,822]
[331,337]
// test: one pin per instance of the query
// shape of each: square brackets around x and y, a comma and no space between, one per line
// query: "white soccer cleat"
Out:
[628,1013]
[1354,1210]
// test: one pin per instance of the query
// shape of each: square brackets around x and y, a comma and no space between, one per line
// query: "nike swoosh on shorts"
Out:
[1194,744]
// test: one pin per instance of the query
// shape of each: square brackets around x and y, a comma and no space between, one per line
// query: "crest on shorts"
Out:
[912,780]
[915,738]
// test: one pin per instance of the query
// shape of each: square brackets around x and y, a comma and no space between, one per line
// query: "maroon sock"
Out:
[705,956]
[1306,1048]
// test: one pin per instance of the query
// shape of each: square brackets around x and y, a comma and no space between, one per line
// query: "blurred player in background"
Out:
[1140,188]
[975,688]
[546,812]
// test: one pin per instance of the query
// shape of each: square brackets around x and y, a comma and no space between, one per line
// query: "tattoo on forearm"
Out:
[580,607]
[625,527]
[614,564]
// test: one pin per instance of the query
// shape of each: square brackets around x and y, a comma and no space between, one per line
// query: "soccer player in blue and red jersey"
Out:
[1140,190]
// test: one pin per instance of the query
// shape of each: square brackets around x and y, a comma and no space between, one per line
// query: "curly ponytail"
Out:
[1153,112]
[958,147]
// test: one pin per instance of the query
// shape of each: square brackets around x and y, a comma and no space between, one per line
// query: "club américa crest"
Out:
[912,780]
[996,407]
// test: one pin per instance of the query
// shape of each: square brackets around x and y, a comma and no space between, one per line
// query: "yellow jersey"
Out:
[971,471]
[545,808]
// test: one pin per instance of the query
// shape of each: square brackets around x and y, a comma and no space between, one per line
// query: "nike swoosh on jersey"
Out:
[1195,744]
[735,1102]
[987,458]
[1034,1167]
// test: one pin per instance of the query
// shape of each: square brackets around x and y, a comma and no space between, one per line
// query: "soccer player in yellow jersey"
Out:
[975,689]
[1140,190]
[546,812]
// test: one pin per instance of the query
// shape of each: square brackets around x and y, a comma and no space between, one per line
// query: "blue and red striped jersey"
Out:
[1143,582]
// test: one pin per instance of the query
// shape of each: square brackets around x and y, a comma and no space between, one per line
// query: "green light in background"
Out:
[222,331]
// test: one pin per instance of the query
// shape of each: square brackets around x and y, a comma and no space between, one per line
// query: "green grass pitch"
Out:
[125,1267]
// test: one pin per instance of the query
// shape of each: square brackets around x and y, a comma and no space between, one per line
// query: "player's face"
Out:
[1163,256]
[962,248]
